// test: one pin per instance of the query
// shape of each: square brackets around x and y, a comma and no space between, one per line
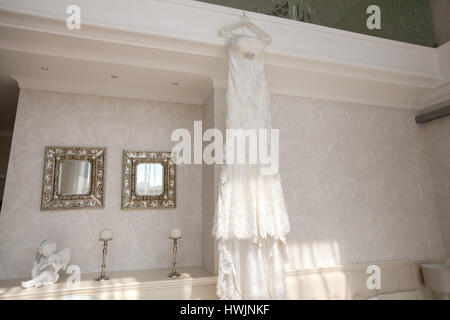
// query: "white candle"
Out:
[175,233]
[106,235]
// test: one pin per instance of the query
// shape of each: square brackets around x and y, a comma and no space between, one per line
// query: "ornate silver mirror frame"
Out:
[133,200]
[52,198]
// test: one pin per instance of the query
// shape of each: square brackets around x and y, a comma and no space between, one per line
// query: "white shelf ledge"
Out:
[134,284]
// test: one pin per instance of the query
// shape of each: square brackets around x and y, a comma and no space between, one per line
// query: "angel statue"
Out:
[47,264]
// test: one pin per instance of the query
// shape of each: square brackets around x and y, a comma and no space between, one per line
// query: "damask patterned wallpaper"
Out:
[140,236]
[438,150]
[356,180]
[402,20]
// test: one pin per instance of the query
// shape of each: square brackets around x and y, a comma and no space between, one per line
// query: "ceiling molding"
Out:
[214,47]
[108,91]
[38,10]
[333,64]
[341,90]
[434,97]
[211,65]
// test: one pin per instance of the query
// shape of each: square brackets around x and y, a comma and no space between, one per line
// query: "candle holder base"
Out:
[174,275]
[102,278]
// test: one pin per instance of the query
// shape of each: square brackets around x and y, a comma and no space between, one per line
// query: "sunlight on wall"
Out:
[327,285]
[316,285]
[314,254]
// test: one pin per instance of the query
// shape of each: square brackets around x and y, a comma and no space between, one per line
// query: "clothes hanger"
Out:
[245,22]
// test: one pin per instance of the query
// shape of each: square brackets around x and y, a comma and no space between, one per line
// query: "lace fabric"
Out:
[251,220]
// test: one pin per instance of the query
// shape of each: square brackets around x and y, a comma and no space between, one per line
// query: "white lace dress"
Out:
[251,220]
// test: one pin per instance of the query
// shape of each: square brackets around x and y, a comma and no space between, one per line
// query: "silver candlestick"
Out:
[103,273]
[174,273]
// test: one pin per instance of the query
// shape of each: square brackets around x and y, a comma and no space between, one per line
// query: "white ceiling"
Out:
[147,83]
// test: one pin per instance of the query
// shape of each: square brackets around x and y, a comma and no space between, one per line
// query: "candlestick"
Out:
[105,236]
[174,273]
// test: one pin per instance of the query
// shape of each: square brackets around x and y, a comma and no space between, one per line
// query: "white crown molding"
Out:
[437,96]
[223,10]
[362,66]
[333,64]
[173,6]
[444,60]
[108,91]
[343,92]
[143,58]
[341,89]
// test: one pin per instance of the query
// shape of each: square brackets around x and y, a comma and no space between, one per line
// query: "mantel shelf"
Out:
[120,281]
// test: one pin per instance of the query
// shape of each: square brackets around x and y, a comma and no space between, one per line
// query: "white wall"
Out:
[141,236]
[357,182]
[438,149]
[208,194]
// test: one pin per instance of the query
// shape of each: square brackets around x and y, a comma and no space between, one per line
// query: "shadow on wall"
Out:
[9,95]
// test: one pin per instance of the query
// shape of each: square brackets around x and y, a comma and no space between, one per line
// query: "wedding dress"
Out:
[251,220]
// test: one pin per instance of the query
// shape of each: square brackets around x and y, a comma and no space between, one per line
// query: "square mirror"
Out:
[148,180]
[73,178]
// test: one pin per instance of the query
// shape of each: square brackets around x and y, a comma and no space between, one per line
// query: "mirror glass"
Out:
[149,179]
[74,177]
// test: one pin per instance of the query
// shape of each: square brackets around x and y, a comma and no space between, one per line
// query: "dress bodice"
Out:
[247,95]
[246,47]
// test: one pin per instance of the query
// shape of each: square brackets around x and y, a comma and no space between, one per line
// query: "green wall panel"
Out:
[402,20]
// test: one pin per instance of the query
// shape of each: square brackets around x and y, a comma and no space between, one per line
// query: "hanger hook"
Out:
[243,7]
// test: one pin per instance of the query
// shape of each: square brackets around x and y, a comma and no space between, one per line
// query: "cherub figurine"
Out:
[47,264]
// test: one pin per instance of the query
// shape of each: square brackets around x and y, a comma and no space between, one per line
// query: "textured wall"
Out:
[141,236]
[438,148]
[441,18]
[356,180]
[208,194]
